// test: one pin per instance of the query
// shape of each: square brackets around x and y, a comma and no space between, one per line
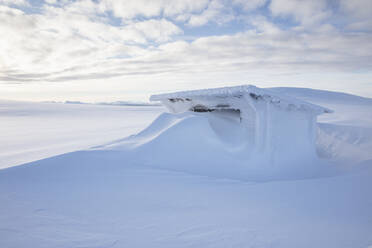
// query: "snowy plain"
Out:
[98,194]
[31,131]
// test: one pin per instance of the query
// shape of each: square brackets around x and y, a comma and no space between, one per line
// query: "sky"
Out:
[110,50]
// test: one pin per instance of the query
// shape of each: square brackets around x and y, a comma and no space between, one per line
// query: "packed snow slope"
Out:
[124,193]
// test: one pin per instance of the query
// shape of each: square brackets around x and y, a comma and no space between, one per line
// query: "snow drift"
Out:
[238,132]
[213,145]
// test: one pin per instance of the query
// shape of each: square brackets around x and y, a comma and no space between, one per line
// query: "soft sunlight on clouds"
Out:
[127,42]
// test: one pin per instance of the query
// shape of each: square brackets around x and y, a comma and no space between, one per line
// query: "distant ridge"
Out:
[117,103]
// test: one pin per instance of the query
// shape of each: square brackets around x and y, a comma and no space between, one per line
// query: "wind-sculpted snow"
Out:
[184,182]
[345,145]
[210,145]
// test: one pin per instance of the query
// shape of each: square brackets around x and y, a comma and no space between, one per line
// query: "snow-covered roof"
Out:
[239,91]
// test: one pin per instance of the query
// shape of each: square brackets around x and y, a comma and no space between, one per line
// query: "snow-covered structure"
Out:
[276,128]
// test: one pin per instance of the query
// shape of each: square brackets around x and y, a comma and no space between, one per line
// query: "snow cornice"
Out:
[258,94]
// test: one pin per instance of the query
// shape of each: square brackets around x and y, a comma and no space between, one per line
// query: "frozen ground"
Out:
[105,197]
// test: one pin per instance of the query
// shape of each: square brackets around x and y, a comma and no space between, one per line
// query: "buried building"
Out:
[276,129]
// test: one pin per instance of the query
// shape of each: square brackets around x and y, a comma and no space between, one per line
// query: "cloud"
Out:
[142,8]
[287,50]
[14,2]
[157,30]
[79,40]
[214,11]
[358,14]
[359,8]
[59,38]
[306,12]
[249,5]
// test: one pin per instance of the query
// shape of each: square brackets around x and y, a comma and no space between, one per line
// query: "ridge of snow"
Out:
[277,99]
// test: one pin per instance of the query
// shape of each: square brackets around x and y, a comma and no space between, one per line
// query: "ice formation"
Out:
[258,126]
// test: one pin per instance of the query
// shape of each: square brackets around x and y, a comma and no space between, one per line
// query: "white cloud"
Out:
[130,9]
[51,1]
[75,47]
[214,12]
[286,50]
[157,30]
[14,2]
[249,5]
[63,40]
[306,12]
[358,14]
[360,8]
[195,13]
[174,8]
[66,41]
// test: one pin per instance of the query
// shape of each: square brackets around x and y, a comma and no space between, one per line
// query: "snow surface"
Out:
[30,131]
[124,193]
